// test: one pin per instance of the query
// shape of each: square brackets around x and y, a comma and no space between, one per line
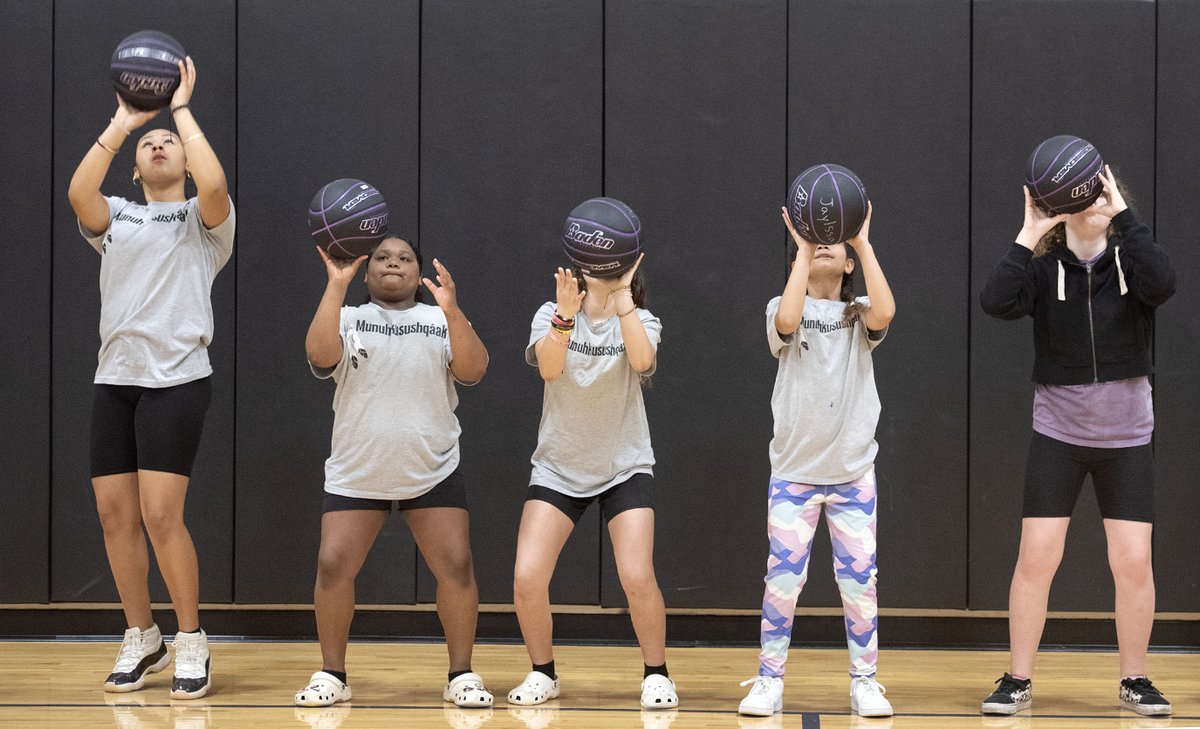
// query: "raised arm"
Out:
[323,344]
[638,349]
[551,349]
[1011,289]
[212,192]
[791,304]
[468,356]
[883,305]
[84,190]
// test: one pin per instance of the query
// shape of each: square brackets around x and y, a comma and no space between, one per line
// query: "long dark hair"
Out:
[416,249]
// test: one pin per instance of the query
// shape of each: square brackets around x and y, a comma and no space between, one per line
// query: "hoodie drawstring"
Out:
[1120,272]
[1062,283]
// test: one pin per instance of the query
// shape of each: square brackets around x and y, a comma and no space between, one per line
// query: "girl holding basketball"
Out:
[395,446]
[152,389]
[1091,281]
[822,456]
[593,347]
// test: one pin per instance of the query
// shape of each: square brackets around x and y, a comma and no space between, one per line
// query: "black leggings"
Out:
[148,428]
[1123,479]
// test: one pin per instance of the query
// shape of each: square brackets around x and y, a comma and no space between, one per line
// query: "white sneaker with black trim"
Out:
[866,697]
[765,697]
[193,665]
[468,692]
[142,653]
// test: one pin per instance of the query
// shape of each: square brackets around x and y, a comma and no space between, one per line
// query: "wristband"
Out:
[180,107]
[563,342]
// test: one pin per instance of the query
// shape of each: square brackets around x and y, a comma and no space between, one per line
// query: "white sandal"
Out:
[468,692]
[537,688]
[658,692]
[323,689]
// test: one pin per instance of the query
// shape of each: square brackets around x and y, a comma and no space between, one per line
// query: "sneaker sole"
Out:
[1148,710]
[871,714]
[759,711]
[124,688]
[198,693]
[1006,709]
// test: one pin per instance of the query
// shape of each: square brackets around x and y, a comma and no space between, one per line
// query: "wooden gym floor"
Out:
[57,684]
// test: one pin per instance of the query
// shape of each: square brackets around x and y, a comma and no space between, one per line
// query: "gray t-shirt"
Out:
[395,435]
[825,404]
[593,433]
[157,265]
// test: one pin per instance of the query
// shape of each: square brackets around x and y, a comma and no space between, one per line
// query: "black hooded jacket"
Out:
[1090,323]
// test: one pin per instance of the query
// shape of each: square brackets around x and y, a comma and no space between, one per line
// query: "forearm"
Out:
[883,303]
[638,348]
[323,344]
[1010,291]
[207,172]
[1147,266]
[551,351]
[84,189]
[468,356]
[791,304]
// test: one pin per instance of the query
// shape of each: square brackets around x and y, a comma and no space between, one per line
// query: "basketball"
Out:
[602,237]
[348,218]
[1063,174]
[827,204]
[145,69]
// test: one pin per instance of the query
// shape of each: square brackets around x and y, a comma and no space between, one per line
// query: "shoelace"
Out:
[871,685]
[189,652]
[1009,685]
[1143,686]
[131,653]
[761,684]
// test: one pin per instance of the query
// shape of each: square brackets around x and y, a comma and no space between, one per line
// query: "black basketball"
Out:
[1063,174]
[348,218]
[827,204]
[602,237]
[145,69]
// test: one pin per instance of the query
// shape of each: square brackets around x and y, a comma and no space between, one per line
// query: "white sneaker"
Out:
[142,653]
[468,692]
[765,697]
[323,689]
[192,666]
[537,688]
[658,692]
[866,697]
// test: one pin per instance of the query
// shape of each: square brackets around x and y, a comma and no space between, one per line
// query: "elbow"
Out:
[549,377]
[640,365]
[786,325]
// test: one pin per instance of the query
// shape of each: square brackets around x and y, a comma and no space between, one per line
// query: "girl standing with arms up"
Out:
[823,456]
[1091,281]
[158,262]
[592,346]
[395,446]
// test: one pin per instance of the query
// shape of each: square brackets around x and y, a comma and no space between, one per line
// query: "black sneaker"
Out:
[1138,694]
[1011,696]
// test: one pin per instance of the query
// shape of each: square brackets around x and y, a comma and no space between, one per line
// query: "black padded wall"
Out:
[325,91]
[510,143]
[694,142]
[84,36]
[848,61]
[26,42]
[1176,393]
[1016,103]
